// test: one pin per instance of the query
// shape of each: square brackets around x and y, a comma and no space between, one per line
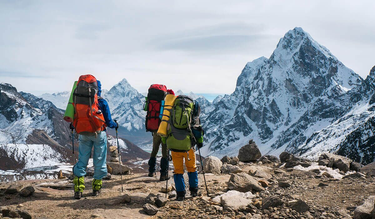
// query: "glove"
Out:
[199,145]
[116,124]
[71,126]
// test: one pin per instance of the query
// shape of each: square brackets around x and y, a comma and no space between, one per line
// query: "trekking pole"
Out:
[204,177]
[119,156]
[72,128]
[166,184]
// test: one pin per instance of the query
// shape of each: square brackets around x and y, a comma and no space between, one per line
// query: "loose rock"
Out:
[229,168]
[272,201]
[160,201]
[150,209]
[243,182]
[249,152]
[364,211]
[27,191]
[299,206]
[212,165]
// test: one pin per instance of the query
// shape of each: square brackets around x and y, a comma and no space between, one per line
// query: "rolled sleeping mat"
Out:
[169,100]
[69,112]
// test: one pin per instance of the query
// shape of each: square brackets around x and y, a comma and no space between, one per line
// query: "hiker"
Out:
[91,117]
[183,133]
[154,107]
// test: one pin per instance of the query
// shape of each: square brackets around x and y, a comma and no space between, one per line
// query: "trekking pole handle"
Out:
[116,124]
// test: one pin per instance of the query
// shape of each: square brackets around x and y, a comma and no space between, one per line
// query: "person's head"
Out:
[170,91]
[99,88]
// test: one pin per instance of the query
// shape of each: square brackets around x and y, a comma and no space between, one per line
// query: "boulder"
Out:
[262,174]
[369,169]
[365,210]
[212,165]
[229,169]
[249,152]
[355,166]
[151,198]
[27,191]
[230,160]
[286,156]
[243,182]
[335,161]
[160,201]
[269,159]
[150,209]
[291,161]
[119,169]
[234,200]
[134,198]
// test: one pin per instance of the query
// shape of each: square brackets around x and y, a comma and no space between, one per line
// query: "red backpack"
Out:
[88,117]
[153,106]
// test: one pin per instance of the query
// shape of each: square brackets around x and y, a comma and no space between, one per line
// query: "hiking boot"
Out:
[180,196]
[164,176]
[193,192]
[95,192]
[151,174]
[96,186]
[77,195]
[79,186]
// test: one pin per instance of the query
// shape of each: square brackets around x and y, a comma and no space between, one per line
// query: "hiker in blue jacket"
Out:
[99,142]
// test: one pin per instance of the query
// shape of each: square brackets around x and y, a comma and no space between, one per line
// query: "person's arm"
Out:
[106,113]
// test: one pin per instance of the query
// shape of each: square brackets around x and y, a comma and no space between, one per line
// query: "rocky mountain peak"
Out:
[296,44]
[371,76]
[8,87]
[123,89]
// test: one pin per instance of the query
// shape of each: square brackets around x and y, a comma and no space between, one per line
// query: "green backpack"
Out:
[179,131]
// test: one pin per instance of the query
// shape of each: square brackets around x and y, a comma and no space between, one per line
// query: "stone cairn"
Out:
[114,165]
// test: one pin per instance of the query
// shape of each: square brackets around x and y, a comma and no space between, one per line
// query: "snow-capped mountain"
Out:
[283,101]
[126,105]
[205,105]
[60,99]
[352,135]
[30,126]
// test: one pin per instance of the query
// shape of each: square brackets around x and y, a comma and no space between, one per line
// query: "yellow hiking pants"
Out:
[178,161]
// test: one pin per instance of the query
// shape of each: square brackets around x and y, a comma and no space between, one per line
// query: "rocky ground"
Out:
[265,188]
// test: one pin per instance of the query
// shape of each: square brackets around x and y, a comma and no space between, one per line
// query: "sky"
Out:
[193,46]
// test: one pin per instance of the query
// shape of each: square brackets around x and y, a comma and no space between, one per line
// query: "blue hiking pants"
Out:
[86,142]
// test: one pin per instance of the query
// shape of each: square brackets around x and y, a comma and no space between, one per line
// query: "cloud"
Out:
[17,74]
[209,44]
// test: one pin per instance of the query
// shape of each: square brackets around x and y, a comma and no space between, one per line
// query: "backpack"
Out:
[88,117]
[154,105]
[180,136]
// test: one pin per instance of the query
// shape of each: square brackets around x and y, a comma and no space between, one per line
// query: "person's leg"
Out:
[164,163]
[156,140]
[192,173]
[100,157]
[79,169]
[177,159]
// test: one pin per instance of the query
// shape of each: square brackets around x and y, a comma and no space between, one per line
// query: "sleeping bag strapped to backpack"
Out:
[88,118]
[154,103]
[179,132]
